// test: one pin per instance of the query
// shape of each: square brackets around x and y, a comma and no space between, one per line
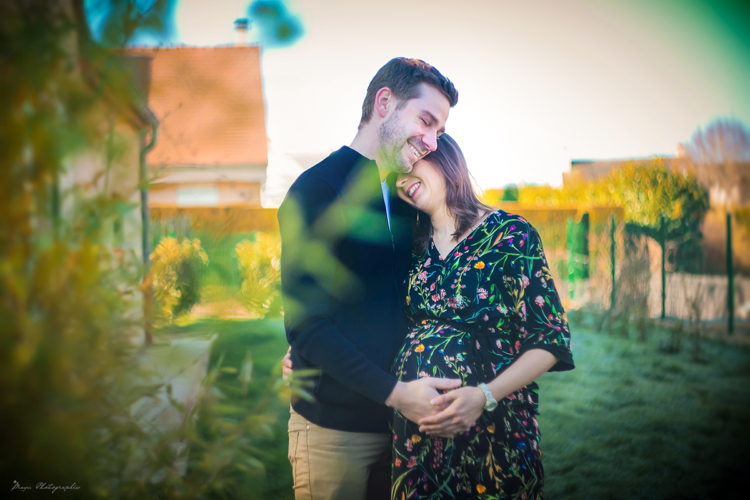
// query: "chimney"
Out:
[241,27]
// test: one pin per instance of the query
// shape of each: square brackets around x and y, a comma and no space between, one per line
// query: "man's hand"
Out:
[413,398]
[461,408]
[286,365]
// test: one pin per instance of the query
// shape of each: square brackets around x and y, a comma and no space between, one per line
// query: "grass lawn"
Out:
[628,422]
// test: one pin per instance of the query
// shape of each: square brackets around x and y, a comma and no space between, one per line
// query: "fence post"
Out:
[571,261]
[663,238]
[581,238]
[730,277]
[613,296]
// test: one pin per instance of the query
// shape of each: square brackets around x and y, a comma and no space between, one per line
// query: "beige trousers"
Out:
[330,465]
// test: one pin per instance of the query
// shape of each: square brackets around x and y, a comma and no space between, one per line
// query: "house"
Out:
[212,147]
[111,167]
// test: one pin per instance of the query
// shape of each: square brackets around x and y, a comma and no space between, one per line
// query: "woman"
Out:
[484,308]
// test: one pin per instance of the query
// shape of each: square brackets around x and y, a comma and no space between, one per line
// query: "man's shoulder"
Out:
[332,171]
[320,185]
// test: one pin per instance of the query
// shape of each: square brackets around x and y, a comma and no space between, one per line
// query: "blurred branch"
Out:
[123,20]
[277,26]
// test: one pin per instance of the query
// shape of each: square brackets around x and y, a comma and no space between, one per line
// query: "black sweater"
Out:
[341,279]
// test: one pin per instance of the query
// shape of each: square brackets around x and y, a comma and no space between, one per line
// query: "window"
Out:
[197,196]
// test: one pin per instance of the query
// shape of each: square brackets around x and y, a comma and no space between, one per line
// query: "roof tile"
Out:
[209,101]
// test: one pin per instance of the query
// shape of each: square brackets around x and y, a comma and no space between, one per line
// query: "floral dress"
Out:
[473,313]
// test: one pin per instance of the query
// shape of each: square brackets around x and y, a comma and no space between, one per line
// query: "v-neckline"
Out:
[452,251]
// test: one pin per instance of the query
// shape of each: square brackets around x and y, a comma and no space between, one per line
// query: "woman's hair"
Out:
[460,197]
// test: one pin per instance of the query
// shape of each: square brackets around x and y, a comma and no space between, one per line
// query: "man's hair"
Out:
[403,76]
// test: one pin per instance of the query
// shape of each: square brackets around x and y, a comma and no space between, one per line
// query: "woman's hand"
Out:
[461,408]
[414,399]
[286,366]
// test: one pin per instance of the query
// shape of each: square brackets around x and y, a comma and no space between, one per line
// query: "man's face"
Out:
[408,134]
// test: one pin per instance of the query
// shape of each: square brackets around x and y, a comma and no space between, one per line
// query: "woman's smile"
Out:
[423,187]
[413,189]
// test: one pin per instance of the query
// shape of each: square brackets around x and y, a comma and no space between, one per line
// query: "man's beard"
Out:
[392,138]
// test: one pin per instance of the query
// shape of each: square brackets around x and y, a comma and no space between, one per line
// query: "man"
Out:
[346,245]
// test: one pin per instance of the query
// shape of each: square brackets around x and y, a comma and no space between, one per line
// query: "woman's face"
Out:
[423,187]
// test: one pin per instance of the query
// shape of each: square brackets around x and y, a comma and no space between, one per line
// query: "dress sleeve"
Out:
[544,324]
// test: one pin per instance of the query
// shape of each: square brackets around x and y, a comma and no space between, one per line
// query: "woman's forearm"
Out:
[530,366]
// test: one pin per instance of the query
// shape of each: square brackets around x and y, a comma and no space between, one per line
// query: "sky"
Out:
[540,83]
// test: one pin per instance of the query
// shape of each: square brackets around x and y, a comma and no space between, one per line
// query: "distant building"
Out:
[594,169]
[212,148]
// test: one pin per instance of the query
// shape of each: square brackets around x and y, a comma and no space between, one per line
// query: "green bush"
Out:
[510,193]
[74,393]
[258,344]
[496,197]
[177,272]
[248,431]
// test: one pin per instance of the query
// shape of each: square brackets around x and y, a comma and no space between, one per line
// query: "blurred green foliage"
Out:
[63,323]
[223,268]
[510,193]
[220,230]
[645,192]
[743,217]
[260,267]
[215,268]
[277,26]
[76,399]
[177,271]
[259,343]
[117,23]
[496,197]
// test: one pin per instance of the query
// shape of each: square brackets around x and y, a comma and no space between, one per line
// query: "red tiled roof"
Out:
[209,102]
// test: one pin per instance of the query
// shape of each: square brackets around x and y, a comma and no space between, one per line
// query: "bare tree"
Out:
[720,157]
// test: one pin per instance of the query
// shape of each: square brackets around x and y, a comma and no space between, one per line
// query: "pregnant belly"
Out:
[436,349]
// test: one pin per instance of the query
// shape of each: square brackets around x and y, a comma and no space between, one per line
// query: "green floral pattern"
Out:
[473,313]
